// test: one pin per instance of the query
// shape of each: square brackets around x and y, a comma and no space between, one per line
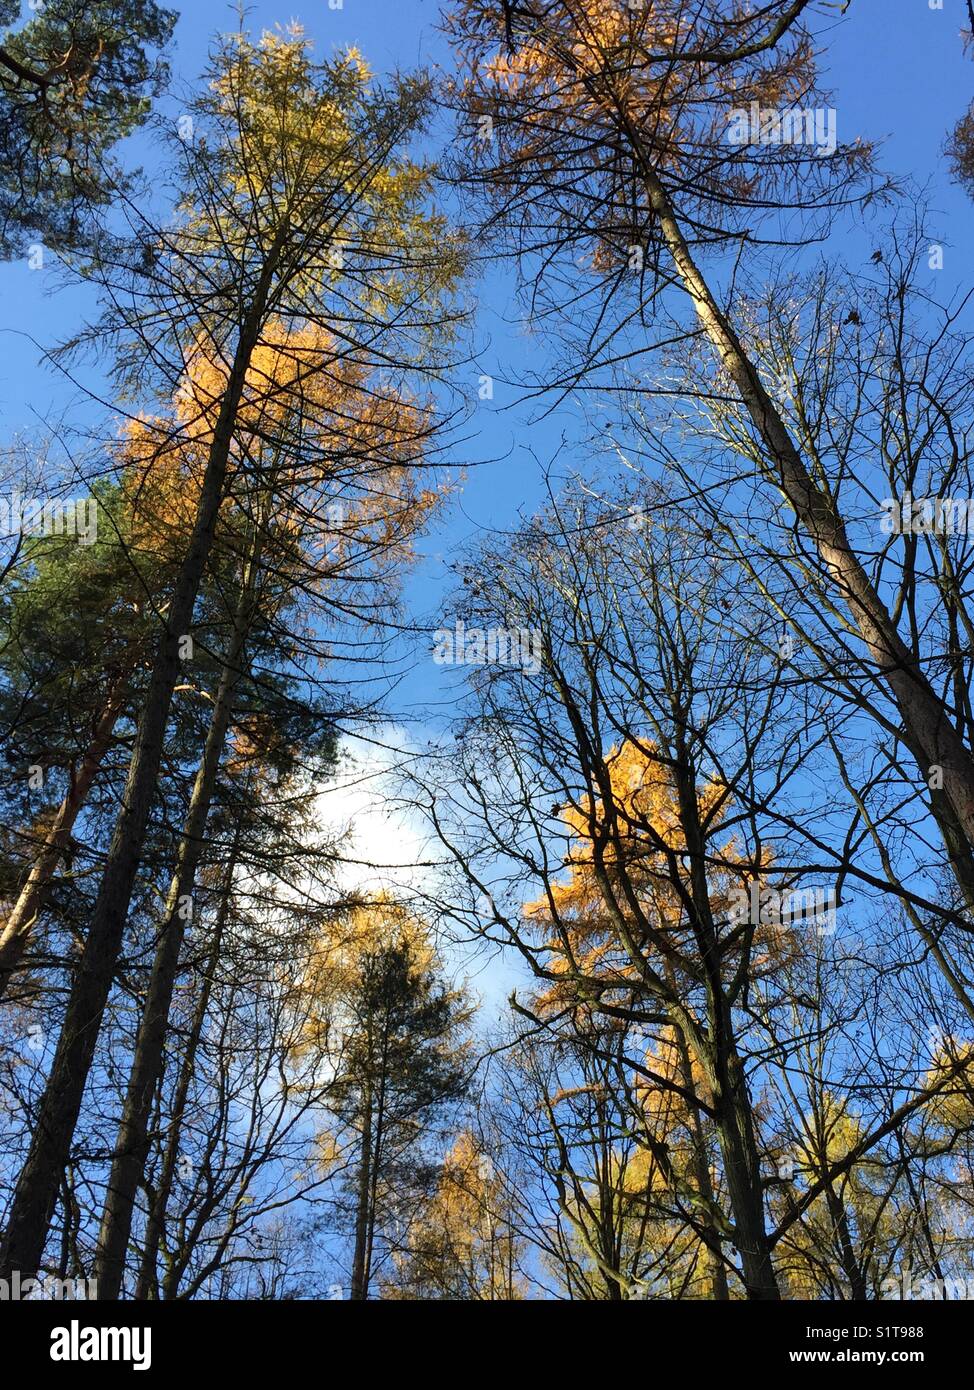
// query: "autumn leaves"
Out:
[272,487]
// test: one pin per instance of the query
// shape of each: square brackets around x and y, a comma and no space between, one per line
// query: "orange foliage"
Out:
[319,451]
[593,81]
[636,844]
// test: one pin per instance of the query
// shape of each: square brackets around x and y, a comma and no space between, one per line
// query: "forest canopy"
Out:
[486,646]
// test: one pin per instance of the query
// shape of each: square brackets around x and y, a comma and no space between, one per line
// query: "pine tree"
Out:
[75,79]
[393,1031]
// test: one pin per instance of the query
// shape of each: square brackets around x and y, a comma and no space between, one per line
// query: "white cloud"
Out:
[387,845]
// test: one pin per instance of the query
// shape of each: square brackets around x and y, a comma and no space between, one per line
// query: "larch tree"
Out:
[361,448]
[297,206]
[667,816]
[622,143]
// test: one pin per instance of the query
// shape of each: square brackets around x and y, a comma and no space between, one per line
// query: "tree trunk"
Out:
[132,1142]
[718,1056]
[37,1187]
[363,1211]
[146,1285]
[850,1265]
[928,731]
[19,924]
[746,1200]
[716,1271]
[735,1131]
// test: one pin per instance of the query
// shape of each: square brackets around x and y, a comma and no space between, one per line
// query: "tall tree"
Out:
[636,771]
[298,175]
[390,1027]
[367,445]
[620,141]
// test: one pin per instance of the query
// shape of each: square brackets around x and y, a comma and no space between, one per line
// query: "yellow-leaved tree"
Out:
[297,204]
[645,930]
[463,1244]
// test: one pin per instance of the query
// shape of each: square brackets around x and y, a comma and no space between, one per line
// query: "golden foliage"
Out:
[334,969]
[601,88]
[313,440]
[953,1105]
[462,1246]
[631,841]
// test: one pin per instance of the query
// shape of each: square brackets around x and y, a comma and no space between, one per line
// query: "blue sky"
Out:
[899,74]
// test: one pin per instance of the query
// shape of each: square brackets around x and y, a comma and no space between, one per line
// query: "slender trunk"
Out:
[155,1224]
[37,1187]
[928,731]
[742,1169]
[718,1055]
[850,1265]
[132,1141]
[363,1223]
[716,1270]
[20,922]
[607,1181]
[377,1110]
